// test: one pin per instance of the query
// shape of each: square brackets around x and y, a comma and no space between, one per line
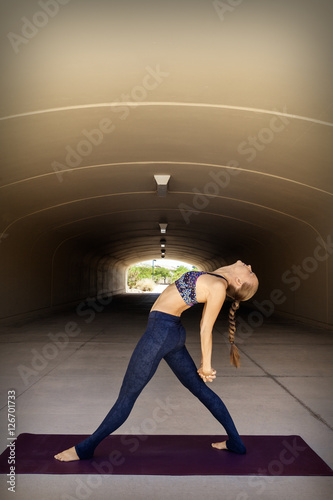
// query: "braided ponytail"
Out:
[234,353]
[245,292]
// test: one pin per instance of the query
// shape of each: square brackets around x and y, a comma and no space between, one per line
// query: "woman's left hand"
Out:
[207,376]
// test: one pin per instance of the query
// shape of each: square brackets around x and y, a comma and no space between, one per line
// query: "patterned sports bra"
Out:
[186,285]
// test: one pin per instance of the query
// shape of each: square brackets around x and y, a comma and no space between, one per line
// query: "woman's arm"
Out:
[214,302]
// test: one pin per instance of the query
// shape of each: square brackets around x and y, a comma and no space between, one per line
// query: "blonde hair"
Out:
[245,292]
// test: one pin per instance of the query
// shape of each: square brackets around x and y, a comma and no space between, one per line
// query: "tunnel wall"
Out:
[49,273]
[295,275]
[234,113]
[297,281]
[53,276]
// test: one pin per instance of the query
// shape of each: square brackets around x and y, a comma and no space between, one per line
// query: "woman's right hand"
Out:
[207,375]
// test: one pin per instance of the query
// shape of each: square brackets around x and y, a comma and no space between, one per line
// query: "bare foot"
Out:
[67,455]
[220,446]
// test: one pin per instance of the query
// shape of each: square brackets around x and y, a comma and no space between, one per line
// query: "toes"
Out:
[220,446]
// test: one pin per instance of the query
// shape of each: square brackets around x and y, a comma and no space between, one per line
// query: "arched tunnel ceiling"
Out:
[231,102]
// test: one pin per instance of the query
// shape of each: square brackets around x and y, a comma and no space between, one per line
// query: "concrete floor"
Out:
[66,383]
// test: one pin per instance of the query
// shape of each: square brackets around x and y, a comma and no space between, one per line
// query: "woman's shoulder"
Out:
[209,289]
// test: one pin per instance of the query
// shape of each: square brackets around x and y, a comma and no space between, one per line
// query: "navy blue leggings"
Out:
[163,338]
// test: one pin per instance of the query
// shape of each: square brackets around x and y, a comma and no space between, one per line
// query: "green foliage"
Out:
[137,273]
[178,272]
[161,274]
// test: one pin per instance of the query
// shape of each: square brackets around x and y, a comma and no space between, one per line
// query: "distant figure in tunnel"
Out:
[165,338]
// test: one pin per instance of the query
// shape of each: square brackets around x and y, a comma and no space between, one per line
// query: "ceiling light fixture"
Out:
[162,184]
[163,227]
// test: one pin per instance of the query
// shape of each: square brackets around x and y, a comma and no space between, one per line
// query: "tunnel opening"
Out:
[153,276]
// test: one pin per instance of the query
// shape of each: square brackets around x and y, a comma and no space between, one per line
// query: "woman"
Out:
[165,338]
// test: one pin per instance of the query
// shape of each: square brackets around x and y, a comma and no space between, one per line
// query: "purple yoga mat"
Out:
[166,455]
